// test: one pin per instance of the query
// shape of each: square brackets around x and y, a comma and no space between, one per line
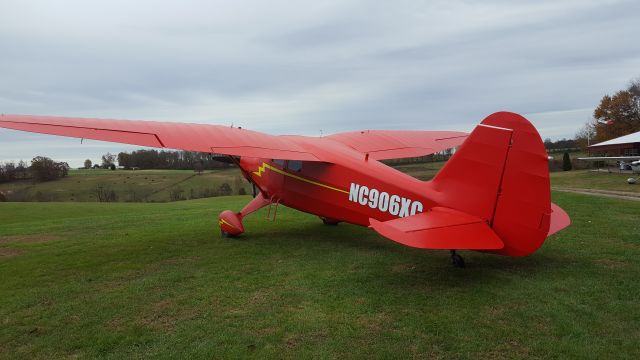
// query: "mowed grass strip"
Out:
[156,280]
[586,179]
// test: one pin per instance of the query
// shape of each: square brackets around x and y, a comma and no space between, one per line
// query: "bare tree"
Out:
[108,159]
[104,194]
[176,194]
[198,167]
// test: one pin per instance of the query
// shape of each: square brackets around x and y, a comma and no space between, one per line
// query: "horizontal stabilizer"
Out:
[440,228]
[559,219]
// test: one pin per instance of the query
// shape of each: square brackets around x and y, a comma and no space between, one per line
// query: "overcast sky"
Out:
[293,67]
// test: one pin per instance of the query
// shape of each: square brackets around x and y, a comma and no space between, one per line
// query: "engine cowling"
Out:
[230,223]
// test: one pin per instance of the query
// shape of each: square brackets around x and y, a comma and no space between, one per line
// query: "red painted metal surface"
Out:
[493,195]
[394,144]
[230,223]
[440,228]
[559,219]
[184,136]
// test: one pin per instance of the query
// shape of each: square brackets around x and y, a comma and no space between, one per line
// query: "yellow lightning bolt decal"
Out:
[222,221]
[262,168]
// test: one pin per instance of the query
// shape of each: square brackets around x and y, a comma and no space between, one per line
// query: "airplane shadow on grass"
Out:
[410,264]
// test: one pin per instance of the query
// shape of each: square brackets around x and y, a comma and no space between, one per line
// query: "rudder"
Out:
[500,174]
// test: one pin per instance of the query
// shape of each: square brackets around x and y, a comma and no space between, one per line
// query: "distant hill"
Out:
[130,186]
[152,185]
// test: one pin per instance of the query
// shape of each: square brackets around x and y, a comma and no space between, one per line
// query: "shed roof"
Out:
[627,139]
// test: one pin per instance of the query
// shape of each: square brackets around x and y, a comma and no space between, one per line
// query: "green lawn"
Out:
[422,171]
[585,179]
[136,280]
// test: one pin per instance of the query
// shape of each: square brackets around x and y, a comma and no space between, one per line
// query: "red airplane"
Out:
[493,195]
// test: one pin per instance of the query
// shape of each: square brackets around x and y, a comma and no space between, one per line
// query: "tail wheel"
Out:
[457,260]
[329,221]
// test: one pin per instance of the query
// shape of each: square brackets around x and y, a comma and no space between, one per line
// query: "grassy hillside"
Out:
[155,280]
[139,185]
[422,171]
[150,185]
[158,185]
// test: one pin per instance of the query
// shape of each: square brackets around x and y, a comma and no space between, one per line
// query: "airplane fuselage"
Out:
[348,187]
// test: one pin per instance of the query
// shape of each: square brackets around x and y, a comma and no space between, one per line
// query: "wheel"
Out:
[227,235]
[330,222]
[457,260]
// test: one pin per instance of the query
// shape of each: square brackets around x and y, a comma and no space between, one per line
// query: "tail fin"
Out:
[500,174]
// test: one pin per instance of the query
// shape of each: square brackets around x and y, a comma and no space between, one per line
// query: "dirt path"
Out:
[604,193]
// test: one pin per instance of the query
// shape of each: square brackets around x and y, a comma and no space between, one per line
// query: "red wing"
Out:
[183,136]
[393,144]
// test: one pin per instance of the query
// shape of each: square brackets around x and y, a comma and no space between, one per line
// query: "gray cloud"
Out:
[288,67]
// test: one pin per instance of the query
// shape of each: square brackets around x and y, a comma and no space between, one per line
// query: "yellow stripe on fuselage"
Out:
[262,168]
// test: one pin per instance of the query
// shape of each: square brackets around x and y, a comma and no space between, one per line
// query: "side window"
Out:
[294,165]
[278,162]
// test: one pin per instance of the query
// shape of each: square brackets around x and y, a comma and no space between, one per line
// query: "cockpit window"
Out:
[294,165]
[278,162]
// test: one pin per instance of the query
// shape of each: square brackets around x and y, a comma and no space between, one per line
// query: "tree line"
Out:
[560,145]
[41,169]
[176,160]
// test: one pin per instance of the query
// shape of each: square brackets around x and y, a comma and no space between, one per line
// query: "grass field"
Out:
[422,171]
[585,179]
[86,280]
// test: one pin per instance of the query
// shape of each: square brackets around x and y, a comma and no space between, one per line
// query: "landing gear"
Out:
[231,222]
[328,221]
[457,260]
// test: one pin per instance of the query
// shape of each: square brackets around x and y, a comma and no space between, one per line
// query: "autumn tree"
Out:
[617,115]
